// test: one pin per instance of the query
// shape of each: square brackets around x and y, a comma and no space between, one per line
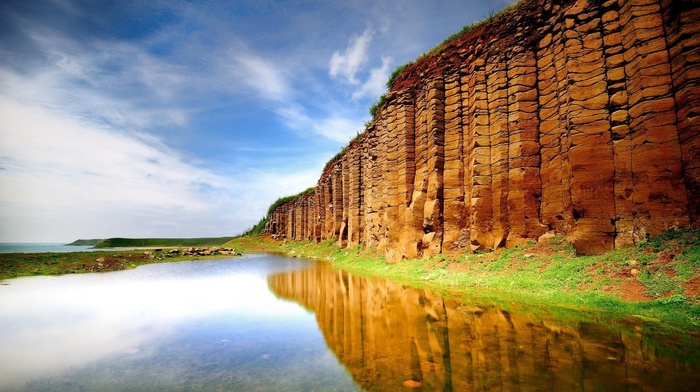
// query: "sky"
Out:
[166,118]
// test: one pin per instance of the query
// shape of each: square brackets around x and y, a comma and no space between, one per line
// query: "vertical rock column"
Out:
[354,195]
[381,182]
[659,192]
[371,188]
[315,218]
[433,208]
[478,180]
[423,224]
[525,186]
[497,95]
[406,169]
[392,217]
[619,121]
[555,168]
[345,177]
[289,232]
[327,190]
[683,37]
[590,153]
[337,179]
[455,237]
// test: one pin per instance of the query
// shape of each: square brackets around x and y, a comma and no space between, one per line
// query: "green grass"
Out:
[15,265]
[161,242]
[258,227]
[82,242]
[546,276]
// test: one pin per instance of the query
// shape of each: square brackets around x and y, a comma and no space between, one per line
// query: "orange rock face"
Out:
[577,118]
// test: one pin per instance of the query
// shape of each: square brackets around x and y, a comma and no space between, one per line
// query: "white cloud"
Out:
[59,173]
[261,75]
[336,127]
[376,82]
[348,63]
[118,83]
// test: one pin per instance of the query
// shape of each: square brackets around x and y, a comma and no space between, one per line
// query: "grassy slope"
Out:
[161,242]
[664,288]
[82,242]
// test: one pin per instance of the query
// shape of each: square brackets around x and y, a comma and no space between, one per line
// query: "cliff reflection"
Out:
[391,337]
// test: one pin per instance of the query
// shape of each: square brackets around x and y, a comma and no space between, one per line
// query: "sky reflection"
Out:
[51,325]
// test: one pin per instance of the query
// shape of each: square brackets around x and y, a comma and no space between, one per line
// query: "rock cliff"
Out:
[577,117]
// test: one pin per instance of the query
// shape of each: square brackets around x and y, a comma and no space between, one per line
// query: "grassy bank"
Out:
[161,242]
[14,265]
[658,282]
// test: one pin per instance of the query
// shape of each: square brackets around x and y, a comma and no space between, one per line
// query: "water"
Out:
[269,323]
[205,325]
[41,248]
[394,338]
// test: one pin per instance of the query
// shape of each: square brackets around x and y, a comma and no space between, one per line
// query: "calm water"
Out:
[6,247]
[207,325]
[270,323]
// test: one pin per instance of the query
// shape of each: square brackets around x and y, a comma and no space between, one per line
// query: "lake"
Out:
[271,323]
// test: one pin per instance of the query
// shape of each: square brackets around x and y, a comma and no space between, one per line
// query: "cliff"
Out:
[574,117]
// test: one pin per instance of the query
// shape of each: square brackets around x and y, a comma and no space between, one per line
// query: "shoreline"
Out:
[19,265]
[626,286]
[658,284]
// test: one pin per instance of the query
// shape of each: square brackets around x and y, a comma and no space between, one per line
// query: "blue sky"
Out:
[188,118]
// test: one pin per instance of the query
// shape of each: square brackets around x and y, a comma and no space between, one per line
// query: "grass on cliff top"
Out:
[258,227]
[658,281]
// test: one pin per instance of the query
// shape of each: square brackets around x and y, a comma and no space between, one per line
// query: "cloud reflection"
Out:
[49,325]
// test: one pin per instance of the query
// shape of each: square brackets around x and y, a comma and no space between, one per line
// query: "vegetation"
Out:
[258,228]
[14,265]
[437,49]
[287,199]
[81,242]
[658,281]
[160,242]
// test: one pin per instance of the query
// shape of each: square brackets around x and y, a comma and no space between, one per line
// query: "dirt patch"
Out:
[692,287]
[628,289]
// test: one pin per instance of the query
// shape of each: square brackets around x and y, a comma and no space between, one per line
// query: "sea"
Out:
[9,247]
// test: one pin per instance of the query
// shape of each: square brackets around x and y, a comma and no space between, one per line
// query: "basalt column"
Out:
[555,171]
[659,194]
[682,28]
[391,215]
[355,211]
[455,235]
[404,128]
[524,183]
[576,118]
[478,141]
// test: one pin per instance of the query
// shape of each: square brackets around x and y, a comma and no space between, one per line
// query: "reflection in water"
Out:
[391,337]
[206,325]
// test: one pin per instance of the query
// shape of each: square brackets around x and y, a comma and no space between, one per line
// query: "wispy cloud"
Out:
[348,63]
[143,128]
[262,76]
[51,163]
[119,83]
[375,85]
[334,126]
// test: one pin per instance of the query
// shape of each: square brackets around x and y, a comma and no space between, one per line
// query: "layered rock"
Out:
[575,117]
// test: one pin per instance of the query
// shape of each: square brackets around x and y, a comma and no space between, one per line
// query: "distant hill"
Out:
[81,242]
[160,242]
